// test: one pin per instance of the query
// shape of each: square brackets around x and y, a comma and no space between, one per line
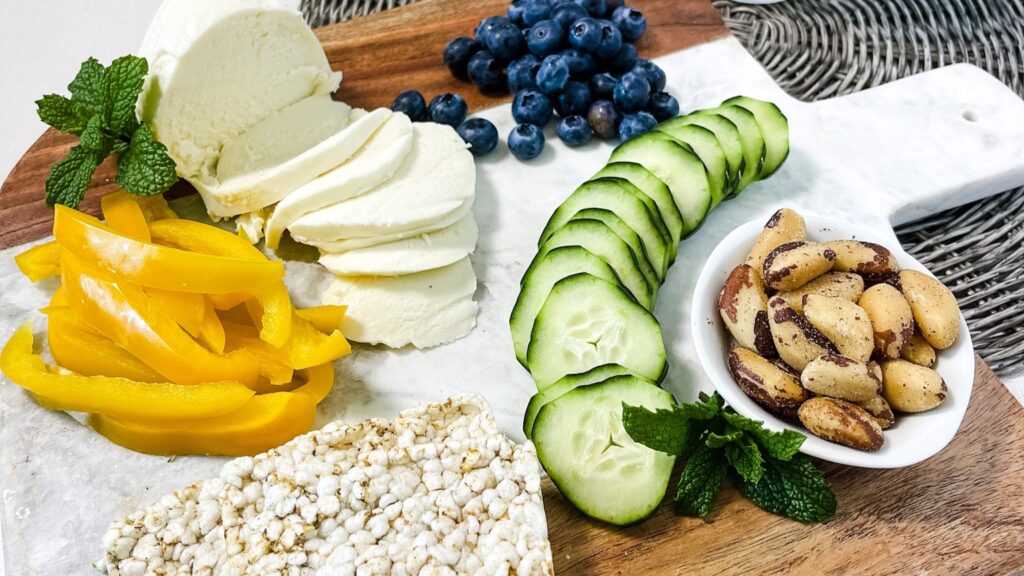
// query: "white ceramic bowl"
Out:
[914,438]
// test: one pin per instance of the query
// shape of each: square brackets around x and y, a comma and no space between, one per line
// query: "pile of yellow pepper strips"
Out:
[176,337]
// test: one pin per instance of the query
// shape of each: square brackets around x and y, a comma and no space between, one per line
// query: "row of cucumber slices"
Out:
[583,324]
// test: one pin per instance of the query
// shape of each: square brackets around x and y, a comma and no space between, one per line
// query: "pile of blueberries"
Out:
[576,58]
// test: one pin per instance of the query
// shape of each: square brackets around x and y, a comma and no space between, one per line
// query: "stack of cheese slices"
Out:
[240,93]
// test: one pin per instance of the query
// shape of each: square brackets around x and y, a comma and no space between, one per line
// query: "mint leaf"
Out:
[779,445]
[69,178]
[93,138]
[62,113]
[795,489]
[87,87]
[716,440]
[700,481]
[120,147]
[121,86]
[145,169]
[745,458]
[662,430]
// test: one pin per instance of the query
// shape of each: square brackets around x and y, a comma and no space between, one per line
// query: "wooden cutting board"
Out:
[959,513]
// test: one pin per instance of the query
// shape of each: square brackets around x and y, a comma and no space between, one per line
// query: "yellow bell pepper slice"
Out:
[273,307]
[154,208]
[123,313]
[124,216]
[186,308]
[319,382]
[156,266]
[326,318]
[211,330]
[59,298]
[228,301]
[262,423]
[39,262]
[82,349]
[112,396]
[307,346]
[272,363]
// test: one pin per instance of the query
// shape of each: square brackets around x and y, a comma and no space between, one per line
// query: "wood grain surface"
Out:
[959,513]
[380,55]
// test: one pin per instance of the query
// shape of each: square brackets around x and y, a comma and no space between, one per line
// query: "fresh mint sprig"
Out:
[101,112]
[716,442]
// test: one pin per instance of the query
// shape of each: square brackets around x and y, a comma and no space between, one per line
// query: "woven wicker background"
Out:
[819,49]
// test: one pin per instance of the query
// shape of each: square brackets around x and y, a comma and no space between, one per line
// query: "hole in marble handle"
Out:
[970,115]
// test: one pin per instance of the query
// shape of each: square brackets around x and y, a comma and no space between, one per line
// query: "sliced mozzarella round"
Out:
[367,241]
[425,309]
[372,165]
[436,178]
[425,252]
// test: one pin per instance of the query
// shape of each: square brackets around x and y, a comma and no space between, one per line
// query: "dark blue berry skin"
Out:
[633,125]
[536,10]
[574,131]
[663,106]
[532,107]
[553,74]
[604,119]
[632,92]
[447,109]
[596,8]
[624,60]
[506,42]
[526,141]
[654,74]
[612,5]
[580,65]
[545,38]
[483,30]
[602,86]
[611,40]
[457,54]
[565,13]
[585,35]
[522,73]
[515,11]
[480,134]
[412,104]
[574,100]
[487,72]
[630,22]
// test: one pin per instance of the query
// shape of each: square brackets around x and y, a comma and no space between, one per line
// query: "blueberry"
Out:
[574,99]
[545,37]
[604,119]
[526,141]
[585,34]
[632,92]
[612,5]
[480,134]
[602,86]
[522,73]
[565,13]
[635,125]
[663,106]
[483,30]
[596,8]
[447,109]
[611,40]
[532,107]
[412,104]
[506,41]
[515,11]
[580,65]
[486,72]
[630,22]
[553,74]
[624,60]
[574,131]
[535,10]
[654,74]
[457,54]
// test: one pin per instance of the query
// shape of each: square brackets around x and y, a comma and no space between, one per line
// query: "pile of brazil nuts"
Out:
[834,333]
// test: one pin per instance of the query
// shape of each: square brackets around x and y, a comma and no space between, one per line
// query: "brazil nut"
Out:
[934,308]
[880,410]
[844,323]
[919,351]
[891,319]
[872,261]
[845,285]
[773,387]
[743,306]
[784,226]
[908,387]
[838,376]
[841,422]
[794,264]
[797,340]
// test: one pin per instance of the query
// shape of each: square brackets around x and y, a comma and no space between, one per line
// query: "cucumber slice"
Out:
[705,144]
[654,277]
[600,240]
[546,271]
[750,138]
[568,384]
[728,136]
[675,165]
[774,127]
[587,322]
[627,202]
[592,459]
[656,190]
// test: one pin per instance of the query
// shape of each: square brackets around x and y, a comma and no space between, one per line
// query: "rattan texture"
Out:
[820,49]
